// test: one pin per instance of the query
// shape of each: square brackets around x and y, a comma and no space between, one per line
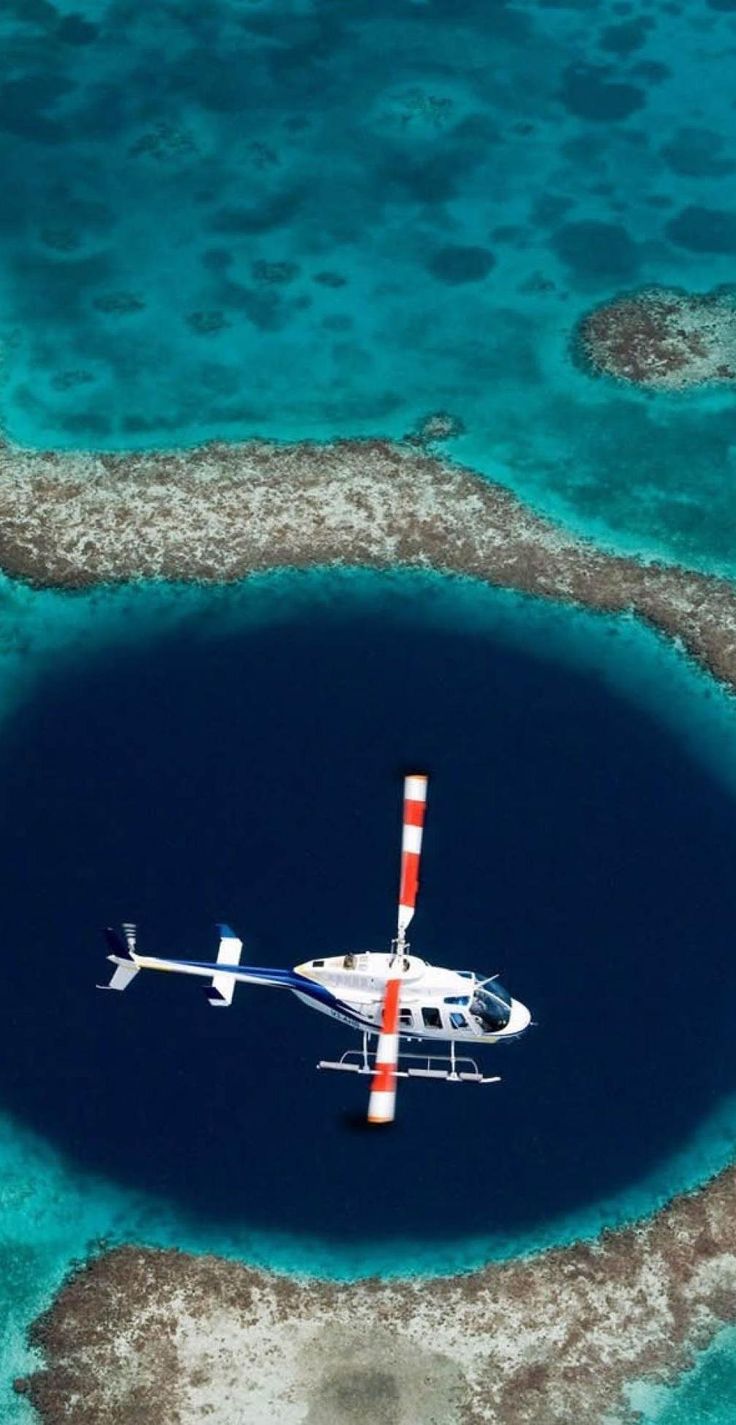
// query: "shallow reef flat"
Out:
[663,339]
[219,512]
[142,1335]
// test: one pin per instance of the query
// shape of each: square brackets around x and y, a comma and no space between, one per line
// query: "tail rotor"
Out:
[122,955]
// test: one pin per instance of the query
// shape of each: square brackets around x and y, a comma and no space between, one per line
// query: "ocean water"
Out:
[703,1396]
[299,219]
[152,739]
[310,219]
[253,776]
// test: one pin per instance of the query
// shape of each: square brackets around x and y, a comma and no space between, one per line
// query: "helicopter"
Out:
[387,996]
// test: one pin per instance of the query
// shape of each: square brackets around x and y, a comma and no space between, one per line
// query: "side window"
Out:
[457,1020]
[431,1017]
[406,1018]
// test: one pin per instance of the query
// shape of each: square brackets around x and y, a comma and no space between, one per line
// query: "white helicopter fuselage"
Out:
[436,1003]
[387,997]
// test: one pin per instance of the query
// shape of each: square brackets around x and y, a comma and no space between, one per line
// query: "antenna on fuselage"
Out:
[382,1103]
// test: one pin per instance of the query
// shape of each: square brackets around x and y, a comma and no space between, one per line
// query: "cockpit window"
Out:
[492,1006]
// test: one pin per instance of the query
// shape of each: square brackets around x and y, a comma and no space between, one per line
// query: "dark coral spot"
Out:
[704,230]
[507,232]
[75,30]
[695,154]
[595,249]
[461,264]
[330,279]
[626,37]
[216,259]
[433,179]
[67,380]
[207,323]
[119,304]
[652,71]
[537,283]
[274,274]
[23,105]
[588,93]
[550,207]
[275,213]
[60,239]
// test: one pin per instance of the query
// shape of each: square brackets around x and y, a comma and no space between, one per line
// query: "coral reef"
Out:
[119,303]
[438,425]
[662,338]
[207,323]
[165,143]
[147,1337]
[219,512]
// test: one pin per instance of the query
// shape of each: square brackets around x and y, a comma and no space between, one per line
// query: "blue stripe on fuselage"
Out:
[286,979]
[281,979]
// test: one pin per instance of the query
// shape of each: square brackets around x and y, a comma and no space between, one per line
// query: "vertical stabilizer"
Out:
[220,995]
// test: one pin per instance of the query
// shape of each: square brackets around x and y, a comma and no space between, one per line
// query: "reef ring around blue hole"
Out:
[254,775]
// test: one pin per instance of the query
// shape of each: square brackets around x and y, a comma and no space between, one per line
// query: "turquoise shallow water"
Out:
[52,1209]
[293,219]
[703,1396]
[306,220]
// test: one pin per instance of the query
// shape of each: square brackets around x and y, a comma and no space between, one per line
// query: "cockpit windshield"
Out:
[492,1006]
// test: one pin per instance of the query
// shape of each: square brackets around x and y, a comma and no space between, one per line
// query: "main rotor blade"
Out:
[415,801]
[382,1102]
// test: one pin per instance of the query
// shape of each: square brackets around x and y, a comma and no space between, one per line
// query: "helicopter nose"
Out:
[519,1019]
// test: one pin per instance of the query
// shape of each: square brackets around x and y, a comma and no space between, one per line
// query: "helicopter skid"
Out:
[457,1070]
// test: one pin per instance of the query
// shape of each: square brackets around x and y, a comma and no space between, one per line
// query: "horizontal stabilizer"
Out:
[125,971]
[220,995]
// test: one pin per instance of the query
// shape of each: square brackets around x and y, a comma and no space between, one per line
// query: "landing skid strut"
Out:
[459,1069]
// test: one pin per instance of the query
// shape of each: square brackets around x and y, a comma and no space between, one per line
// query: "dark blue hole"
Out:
[255,778]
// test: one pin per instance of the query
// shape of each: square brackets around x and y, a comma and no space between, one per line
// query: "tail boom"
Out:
[223,975]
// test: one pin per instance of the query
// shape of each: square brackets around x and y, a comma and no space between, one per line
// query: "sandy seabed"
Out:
[150,1337]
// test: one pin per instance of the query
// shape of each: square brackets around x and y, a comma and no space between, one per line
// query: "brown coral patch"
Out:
[663,339]
[147,1337]
[221,512]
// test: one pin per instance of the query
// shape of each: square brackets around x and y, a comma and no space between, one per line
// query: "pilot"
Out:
[350,961]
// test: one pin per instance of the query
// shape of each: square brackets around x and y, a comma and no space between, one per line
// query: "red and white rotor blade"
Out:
[382,1102]
[415,802]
